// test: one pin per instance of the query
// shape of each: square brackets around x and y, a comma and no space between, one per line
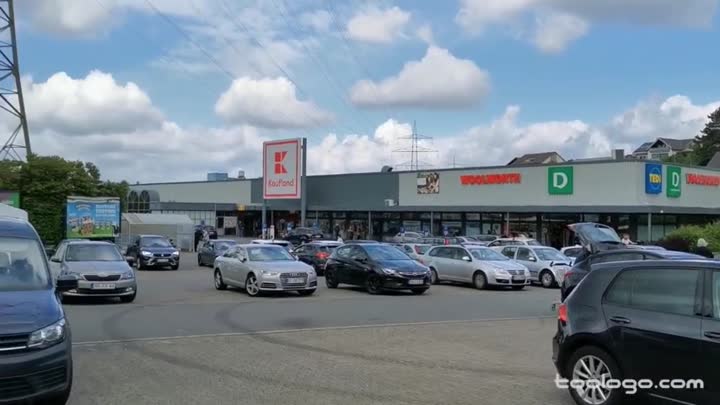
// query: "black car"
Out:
[153,251]
[603,245]
[652,320]
[298,236]
[35,341]
[377,267]
[211,249]
[316,254]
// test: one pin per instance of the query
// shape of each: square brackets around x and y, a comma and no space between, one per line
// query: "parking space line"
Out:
[325,328]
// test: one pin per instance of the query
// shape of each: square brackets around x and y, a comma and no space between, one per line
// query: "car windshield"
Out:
[421,249]
[533,242]
[385,252]
[487,254]
[327,248]
[484,238]
[550,254]
[268,254]
[223,246]
[155,242]
[574,252]
[22,265]
[92,253]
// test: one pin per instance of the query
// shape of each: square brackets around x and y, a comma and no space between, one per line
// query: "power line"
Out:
[415,149]
[325,71]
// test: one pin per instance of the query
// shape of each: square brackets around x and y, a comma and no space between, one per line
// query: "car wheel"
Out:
[200,263]
[547,279]
[591,363]
[434,279]
[518,287]
[251,286]
[419,291]
[305,293]
[219,283]
[128,298]
[374,284]
[330,280]
[479,280]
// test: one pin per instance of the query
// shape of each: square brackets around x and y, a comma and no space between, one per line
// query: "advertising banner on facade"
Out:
[560,180]
[674,184]
[428,183]
[92,217]
[282,169]
[653,178]
[10,198]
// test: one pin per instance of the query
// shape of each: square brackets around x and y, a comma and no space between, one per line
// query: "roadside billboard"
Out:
[11,198]
[92,217]
[282,169]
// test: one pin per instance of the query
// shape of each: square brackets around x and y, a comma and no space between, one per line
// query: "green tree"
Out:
[45,182]
[707,143]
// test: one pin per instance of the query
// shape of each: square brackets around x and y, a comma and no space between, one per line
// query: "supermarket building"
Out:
[646,199]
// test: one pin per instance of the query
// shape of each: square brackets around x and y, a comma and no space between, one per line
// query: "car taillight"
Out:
[417,250]
[562,313]
[322,255]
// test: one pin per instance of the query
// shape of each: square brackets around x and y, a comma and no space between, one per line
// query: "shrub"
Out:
[686,237]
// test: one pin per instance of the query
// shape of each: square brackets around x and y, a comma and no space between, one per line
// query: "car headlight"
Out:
[146,253]
[501,272]
[176,253]
[269,273]
[389,271]
[48,335]
[128,275]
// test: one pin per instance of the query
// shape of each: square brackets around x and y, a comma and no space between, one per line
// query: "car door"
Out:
[229,266]
[509,252]
[56,260]
[133,249]
[442,261]
[654,319]
[463,265]
[241,264]
[358,266]
[207,252]
[710,339]
[527,258]
[341,263]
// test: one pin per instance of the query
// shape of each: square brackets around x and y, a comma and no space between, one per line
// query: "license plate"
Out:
[518,277]
[295,280]
[415,282]
[162,260]
[103,286]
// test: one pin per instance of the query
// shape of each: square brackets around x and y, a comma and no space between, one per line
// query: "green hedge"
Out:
[689,235]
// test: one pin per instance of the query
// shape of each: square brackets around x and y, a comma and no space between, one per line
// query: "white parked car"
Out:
[407,237]
[261,268]
[478,265]
[547,265]
[278,242]
[572,252]
[499,243]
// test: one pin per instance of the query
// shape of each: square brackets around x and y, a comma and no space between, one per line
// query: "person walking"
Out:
[703,250]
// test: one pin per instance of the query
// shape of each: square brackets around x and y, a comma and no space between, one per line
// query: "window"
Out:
[436,252]
[487,254]
[82,252]
[268,253]
[408,249]
[301,249]
[573,252]
[524,254]
[22,265]
[458,253]
[716,294]
[344,252]
[617,257]
[669,291]
[356,253]
[509,252]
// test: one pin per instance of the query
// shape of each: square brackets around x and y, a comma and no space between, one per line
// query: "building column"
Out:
[649,231]
[370,225]
[432,224]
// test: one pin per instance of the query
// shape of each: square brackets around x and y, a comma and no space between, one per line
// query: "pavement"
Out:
[183,342]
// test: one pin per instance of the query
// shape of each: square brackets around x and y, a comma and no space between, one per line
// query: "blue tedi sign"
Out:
[653,178]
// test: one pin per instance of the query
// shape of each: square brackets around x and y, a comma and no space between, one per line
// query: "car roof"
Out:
[151,236]
[223,240]
[666,254]
[323,242]
[90,242]
[269,242]
[360,241]
[16,228]
[682,263]
[254,245]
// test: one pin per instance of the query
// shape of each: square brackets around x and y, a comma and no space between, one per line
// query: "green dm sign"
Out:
[560,180]
[674,177]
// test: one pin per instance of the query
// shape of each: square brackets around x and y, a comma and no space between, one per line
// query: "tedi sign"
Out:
[282,161]
[560,180]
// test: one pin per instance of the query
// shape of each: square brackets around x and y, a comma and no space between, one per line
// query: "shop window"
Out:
[425,215]
[339,214]
[452,216]
[472,216]
[472,228]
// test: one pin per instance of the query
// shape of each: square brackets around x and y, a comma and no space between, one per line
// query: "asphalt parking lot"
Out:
[183,342]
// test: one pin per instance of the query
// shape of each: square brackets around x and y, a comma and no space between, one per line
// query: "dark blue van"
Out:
[35,346]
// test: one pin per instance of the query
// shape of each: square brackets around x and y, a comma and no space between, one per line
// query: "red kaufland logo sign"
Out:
[702,180]
[485,179]
[281,169]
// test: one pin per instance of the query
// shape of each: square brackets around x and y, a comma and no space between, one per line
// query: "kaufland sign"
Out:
[281,169]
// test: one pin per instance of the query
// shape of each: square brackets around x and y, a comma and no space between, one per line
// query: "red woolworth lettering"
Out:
[702,180]
[483,179]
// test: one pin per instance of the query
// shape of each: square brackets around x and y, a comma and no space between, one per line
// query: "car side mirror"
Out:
[50,252]
[532,259]
[243,259]
[66,282]
[361,260]
[55,259]
[467,258]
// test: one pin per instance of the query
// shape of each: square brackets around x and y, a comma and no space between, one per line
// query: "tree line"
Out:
[45,182]
[707,143]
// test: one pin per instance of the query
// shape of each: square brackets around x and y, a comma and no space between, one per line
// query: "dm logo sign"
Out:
[560,180]
[653,178]
[673,187]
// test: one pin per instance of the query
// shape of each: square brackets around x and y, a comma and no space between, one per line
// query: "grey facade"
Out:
[532,199]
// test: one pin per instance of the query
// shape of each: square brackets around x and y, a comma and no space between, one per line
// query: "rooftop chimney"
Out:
[618,154]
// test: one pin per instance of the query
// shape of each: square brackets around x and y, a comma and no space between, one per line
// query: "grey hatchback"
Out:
[100,268]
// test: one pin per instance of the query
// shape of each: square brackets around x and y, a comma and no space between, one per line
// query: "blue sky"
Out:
[505,77]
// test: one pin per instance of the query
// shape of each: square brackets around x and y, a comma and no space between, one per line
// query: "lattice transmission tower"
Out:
[415,150]
[11,96]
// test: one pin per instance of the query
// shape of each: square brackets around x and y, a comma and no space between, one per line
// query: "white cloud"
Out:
[438,80]
[318,20]
[268,103]
[569,19]
[555,31]
[94,104]
[377,25]
[425,34]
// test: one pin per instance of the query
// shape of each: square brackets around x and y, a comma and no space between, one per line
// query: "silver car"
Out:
[414,250]
[259,268]
[99,267]
[478,265]
[407,237]
[547,265]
